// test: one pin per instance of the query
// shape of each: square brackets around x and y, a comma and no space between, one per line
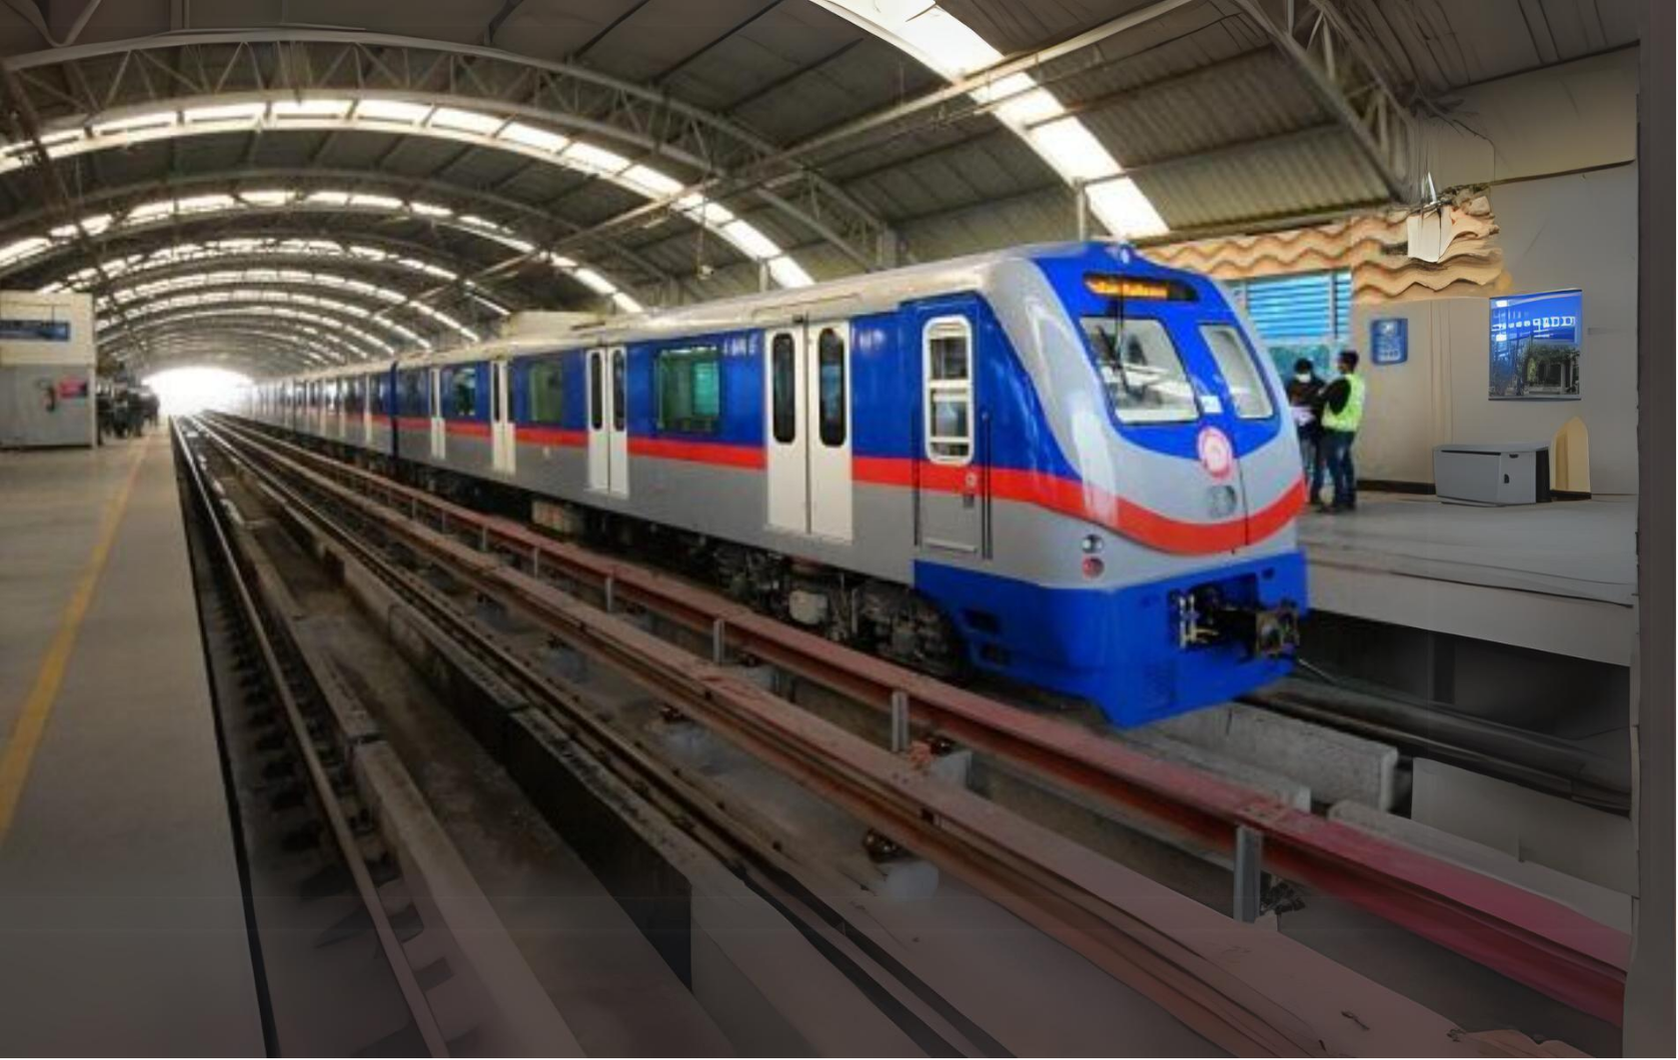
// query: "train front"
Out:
[1178,434]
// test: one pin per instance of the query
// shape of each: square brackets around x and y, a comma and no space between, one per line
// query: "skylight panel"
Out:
[530,136]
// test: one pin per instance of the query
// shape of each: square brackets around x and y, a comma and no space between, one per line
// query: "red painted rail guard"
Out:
[1527,937]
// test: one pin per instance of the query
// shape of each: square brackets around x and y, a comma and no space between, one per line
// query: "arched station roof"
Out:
[410,173]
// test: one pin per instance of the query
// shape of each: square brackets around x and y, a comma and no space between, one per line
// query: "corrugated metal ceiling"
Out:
[1215,123]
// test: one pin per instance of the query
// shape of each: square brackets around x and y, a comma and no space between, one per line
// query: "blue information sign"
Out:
[40,330]
[1389,340]
[1536,340]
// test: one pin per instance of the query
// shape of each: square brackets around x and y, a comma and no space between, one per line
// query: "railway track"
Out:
[335,844]
[1044,879]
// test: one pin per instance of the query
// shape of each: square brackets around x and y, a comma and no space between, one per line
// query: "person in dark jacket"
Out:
[1305,395]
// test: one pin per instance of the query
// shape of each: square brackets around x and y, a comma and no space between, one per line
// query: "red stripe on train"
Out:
[1083,501]
[1066,496]
[748,456]
[549,436]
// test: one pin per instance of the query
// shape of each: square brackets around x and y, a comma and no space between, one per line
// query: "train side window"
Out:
[376,394]
[596,392]
[830,370]
[1241,374]
[460,385]
[690,389]
[783,367]
[947,353]
[545,380]
[620,395]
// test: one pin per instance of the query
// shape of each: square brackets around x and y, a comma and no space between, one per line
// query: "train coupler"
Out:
[1206,617]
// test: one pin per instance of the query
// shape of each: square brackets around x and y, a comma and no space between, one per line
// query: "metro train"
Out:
[1061,465]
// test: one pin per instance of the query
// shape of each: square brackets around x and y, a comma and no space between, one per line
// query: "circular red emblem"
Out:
[1217,455]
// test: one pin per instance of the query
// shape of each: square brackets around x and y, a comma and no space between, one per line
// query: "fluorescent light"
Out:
[202,203]
[594,281]
[464,120]
[426,209]
[224,112]
[1124,210]
[651,181]
[589,156]
[788,273]
[293,109]
[391,110]
[330,198]
[704,211]
[147,210]
[384,202]
[625,303]
[530,136]
[21,249]
[754,243]
[268,197]
[1073,150]
[152,120]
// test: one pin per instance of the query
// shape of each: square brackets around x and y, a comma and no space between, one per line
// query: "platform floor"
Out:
[1559,577]
[121,919]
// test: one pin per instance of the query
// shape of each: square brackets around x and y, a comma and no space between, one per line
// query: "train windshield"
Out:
[1141,369]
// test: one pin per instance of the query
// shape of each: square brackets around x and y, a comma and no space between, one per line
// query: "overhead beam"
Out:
[1340,72]
[220,63]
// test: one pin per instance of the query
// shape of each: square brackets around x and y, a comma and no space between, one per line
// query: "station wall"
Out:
[1557,148]
[1577,230]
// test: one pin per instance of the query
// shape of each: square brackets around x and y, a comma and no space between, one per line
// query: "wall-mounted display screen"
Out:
[1536,342]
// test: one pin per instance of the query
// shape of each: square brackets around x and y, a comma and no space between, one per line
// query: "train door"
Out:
[368,384]
[808,409]
[439,430]
[503,447]
[952,485]
[608,421]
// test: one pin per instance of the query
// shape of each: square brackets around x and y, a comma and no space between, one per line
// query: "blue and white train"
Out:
[1061,465]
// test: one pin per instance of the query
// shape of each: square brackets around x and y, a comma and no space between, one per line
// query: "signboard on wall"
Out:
[38,330]
[1536,341]
[1389,340]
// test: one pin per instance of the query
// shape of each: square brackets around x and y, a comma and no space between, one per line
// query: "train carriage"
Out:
[1059,464]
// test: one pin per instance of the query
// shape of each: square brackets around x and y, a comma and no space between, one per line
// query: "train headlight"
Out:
[1091,544]
[1093,567]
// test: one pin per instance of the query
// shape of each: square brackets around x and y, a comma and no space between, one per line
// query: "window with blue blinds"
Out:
[1307,314]
[1307,305]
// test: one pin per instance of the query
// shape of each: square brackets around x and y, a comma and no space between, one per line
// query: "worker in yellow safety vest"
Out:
[1343,402]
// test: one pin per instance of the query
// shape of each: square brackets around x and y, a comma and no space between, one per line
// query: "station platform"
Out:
[122,926]
[1558,577]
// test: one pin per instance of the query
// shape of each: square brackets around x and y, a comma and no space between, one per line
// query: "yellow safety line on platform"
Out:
[18,752]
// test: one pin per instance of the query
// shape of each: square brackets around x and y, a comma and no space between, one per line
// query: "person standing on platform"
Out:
[1305,395]
[102,413]
[1343,403]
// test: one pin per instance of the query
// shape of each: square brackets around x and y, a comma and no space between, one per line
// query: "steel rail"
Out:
[349,847]
[1247,990]
[1525,936]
